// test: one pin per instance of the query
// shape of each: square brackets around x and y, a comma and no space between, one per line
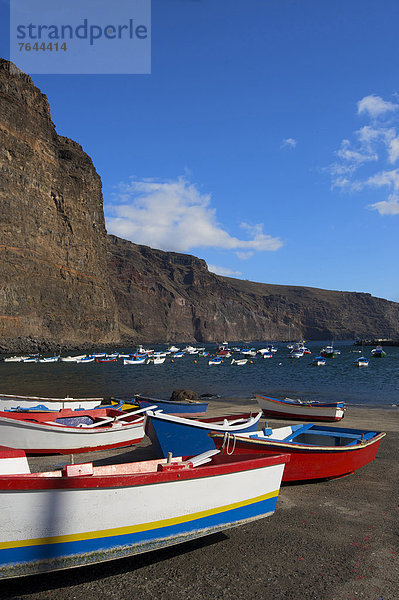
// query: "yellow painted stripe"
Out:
[76,537]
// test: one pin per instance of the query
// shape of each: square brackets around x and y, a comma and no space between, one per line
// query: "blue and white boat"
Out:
[182,437]
[135,360]
[189,408]
[362,361]
[215,360]
[319,361]
[57,520]
[50,359]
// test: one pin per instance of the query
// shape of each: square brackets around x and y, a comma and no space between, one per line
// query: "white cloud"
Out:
[244,255]
[224,271]
[375,106]
[362,160]
[288,143]
[384,178]
[387,207]
[175,215]
[393,151]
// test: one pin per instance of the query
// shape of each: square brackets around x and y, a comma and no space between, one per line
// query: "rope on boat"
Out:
[227,437]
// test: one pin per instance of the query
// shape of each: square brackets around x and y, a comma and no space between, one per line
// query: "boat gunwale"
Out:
[169,473]
[198,424]
[305,447]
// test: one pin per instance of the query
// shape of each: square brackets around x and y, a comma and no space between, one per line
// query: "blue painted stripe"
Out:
[43,552]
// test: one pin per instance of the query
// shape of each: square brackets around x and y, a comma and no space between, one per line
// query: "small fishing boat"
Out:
[378,352]
[240,362]
[316,451]
[73,358]
[156,360]
[50,359]
[251,352]
[215,360]
[134,361]
[85,359]
[86,431]
[263,351]
[362,361]
[300,409]
[15,358]
[329,352]
[107,359]
[170,433]
[80,515]
[11,402]
[319,361]
[267,355]
[173,349]
[186,408]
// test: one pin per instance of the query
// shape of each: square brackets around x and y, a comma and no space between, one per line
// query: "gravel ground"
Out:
[335,540]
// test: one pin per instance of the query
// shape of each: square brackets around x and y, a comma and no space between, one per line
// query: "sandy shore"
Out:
[334,540]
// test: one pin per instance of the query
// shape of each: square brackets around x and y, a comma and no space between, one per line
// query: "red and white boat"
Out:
[82,514]
[316,451]
[300,409]
[67,432]
[11,402]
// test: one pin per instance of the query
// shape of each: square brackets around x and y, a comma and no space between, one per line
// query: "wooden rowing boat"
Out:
[317,451]
[300,410]
[80,515]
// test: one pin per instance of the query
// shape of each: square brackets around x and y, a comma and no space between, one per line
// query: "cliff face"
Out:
[170,296]
[64,282]
[53,270]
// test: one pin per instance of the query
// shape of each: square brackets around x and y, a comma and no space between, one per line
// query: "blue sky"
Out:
[265,140]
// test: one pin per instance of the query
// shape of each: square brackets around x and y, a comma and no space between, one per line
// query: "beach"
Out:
[333,540]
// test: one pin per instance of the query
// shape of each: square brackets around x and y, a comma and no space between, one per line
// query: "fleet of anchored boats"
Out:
[238,356]
[211,474]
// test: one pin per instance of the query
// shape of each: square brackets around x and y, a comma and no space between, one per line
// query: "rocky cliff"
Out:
[64,282]
[54,283]
[170,296]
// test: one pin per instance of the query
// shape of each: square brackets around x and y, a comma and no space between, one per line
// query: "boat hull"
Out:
[53,523]
[310,462]
[186,437]
[190,408]
[281,409]
[42,438]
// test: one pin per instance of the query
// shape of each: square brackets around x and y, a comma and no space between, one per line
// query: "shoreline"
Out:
[332,540]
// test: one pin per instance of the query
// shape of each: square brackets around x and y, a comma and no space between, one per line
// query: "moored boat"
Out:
[316,451]
[72,358]
[49,359]
[329,352]
[10,402]
[299,409]
[80,431]
[319,361]
[378,352]
[362,361]
[78,515]
[135,360]
[181,436]
[215,360]
[240,362]
[189,408]
[156,360]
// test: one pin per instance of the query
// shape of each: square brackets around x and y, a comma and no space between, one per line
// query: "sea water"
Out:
[279,377]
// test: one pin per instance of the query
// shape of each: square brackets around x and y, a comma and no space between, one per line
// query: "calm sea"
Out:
[340,379]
